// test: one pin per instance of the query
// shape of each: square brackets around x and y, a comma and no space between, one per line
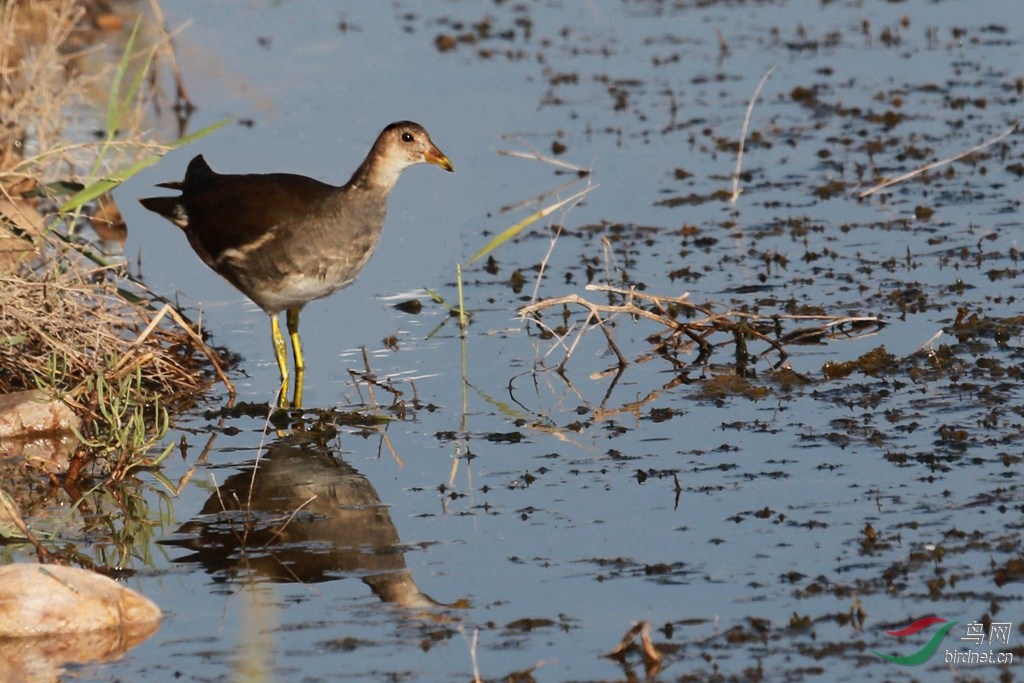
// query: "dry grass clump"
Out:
[66,316]
[61,329]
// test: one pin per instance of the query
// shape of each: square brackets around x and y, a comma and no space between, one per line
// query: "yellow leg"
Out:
[281,351]
[293,332]
[300,365]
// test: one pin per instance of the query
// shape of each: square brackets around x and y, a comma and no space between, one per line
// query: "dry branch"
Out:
[684,322]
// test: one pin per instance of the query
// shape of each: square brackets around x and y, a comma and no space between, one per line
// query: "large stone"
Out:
[33,413]
[37,428]
[48,599]
[52,615]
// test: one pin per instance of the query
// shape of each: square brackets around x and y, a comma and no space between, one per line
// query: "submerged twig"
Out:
[556,190]
[288,520]
[183,103]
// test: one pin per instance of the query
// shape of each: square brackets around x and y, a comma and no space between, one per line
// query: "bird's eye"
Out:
[407,137]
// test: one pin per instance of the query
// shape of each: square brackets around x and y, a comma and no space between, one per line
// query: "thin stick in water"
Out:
[743,134]
[935,164]
[546,159]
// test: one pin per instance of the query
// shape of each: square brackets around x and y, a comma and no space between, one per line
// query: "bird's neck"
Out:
[377,173]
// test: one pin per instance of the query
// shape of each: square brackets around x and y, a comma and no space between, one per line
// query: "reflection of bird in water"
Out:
[284,240]
[309,517]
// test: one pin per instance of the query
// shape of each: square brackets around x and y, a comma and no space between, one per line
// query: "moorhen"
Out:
[284,240]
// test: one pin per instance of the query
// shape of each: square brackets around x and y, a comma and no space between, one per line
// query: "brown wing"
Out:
[234,211]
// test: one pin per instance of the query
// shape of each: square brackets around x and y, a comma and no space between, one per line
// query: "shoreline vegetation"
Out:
[74,326]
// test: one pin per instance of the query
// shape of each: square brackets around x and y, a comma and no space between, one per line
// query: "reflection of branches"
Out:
[686,322]
[598,413]
[183,106]
[634,407]
[546,426]
[652,657]
[369,378]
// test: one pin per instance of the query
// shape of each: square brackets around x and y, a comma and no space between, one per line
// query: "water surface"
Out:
[775,527]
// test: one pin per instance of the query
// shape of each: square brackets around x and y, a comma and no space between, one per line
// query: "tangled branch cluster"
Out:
[687,326]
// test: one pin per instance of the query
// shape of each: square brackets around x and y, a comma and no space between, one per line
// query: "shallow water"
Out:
[774,527]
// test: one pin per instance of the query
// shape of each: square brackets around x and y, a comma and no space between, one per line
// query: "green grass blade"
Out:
[105,185]
[202,132]
[463,318]
[110,182]
[437,298]
[114,99]
[509,233]
[129,97]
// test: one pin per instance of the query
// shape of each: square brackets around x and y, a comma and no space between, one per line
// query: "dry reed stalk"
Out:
[553,240]
[743,134]
[472,644]
[936,164]
[535,155]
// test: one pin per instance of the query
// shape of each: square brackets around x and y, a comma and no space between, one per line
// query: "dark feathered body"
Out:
[282,239]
